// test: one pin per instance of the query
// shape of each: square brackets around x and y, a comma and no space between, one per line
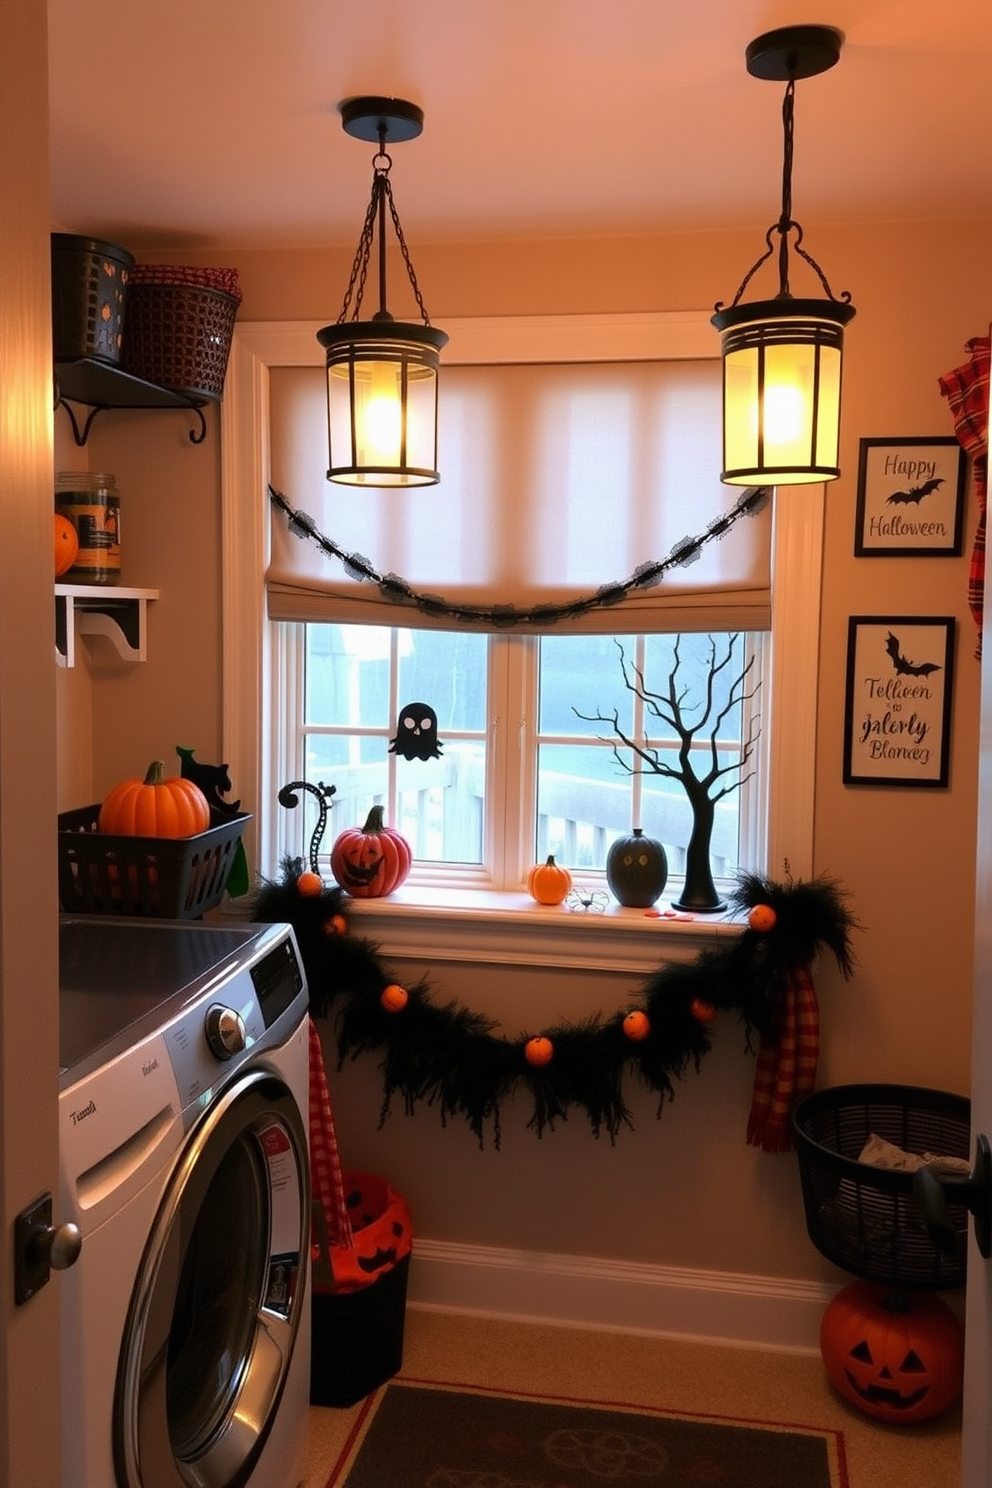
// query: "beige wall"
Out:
[685,1191]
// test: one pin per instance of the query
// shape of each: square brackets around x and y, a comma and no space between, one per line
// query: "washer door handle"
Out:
[933,1194]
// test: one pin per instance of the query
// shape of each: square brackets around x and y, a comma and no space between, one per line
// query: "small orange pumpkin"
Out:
[155,806]
[548,882]
[66,544]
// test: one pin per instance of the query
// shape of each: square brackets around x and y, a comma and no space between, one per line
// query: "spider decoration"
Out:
[582,901]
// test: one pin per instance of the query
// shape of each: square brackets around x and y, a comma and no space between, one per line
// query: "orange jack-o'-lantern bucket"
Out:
[361,1242]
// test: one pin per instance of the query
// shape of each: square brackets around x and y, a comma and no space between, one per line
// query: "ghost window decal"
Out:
[416,733]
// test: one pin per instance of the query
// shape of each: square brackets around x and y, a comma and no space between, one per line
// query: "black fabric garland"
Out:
[396,590]
[455,1060]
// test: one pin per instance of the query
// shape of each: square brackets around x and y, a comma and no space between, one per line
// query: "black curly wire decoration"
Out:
[397,590]
[288,797]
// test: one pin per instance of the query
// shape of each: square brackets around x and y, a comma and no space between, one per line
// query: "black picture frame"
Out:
[910,498]
[897,714]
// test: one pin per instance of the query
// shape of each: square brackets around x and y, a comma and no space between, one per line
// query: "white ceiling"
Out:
[213,124]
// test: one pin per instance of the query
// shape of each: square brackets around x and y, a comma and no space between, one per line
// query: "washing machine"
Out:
[183,1106]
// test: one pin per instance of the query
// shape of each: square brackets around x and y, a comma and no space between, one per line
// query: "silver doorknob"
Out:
[41,1247]
[58,1246]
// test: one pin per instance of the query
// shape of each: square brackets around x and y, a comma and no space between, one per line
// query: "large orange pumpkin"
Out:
[372,860]
[897,1356]
[157,806]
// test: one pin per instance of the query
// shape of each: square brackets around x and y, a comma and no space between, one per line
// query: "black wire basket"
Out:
[865,1218]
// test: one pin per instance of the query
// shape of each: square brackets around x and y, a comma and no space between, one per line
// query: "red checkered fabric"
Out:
[787,1064]
[967,392]
[325,1164]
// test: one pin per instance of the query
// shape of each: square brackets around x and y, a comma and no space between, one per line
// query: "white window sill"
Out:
[471,925]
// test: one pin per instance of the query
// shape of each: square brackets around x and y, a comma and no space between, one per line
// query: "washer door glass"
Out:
[218,1301]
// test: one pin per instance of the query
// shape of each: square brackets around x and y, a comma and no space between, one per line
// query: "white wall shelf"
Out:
[117,614]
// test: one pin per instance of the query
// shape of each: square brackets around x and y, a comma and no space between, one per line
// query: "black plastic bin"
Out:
[864,1218]
[358,1319]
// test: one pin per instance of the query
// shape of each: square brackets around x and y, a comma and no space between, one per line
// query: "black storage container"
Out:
[358,1318]
[865,1218]
[177,878]
[357,1339]
[89,294]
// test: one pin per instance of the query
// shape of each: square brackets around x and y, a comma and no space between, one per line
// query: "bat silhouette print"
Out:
[915,494]
[902,665]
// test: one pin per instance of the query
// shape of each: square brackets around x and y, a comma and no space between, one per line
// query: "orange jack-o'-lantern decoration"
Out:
[382,1233]
[897,1356]
[636,1025]
[539,1051]
[762,917]
[372,860]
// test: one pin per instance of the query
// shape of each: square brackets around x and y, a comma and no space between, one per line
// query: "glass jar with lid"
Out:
[92,504]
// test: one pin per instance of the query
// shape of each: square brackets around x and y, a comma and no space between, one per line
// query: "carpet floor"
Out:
[648,1373]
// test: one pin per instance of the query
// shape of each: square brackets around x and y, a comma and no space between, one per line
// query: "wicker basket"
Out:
[164,878]
[864,1218]
[89,282]
[178,327]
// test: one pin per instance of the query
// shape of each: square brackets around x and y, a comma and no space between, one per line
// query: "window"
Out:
[780,829]
[594,752]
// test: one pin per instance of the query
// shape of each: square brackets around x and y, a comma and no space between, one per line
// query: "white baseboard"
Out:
[584,1291]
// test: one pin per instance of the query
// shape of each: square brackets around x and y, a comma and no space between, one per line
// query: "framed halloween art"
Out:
[910,498]
[897,715]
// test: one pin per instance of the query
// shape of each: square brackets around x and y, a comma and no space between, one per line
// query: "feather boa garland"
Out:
[457,1061]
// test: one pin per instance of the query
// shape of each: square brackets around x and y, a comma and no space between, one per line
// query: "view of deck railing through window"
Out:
[527,755]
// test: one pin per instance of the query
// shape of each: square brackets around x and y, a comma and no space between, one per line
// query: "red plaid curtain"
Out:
[967,392]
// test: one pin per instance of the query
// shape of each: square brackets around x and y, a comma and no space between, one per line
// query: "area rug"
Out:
[412,1434]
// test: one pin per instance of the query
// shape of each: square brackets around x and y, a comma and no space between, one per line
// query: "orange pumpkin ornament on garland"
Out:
[372,860]
[157,806]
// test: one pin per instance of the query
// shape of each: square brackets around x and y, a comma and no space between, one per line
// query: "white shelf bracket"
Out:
[120,615]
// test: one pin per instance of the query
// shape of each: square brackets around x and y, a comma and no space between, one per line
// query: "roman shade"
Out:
[556,479]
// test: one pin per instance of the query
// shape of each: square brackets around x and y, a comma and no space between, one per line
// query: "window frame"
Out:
[435,922]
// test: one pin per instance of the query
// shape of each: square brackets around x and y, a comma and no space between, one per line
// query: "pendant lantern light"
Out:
[782,356]
[381,373]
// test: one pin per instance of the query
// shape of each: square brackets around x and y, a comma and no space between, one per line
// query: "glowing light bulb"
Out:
[785,413]
[381,418]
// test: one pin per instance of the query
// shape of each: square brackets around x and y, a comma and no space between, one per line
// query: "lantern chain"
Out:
[786,223]
[381,189]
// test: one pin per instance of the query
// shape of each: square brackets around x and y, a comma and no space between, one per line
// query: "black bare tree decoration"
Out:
[691,719]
